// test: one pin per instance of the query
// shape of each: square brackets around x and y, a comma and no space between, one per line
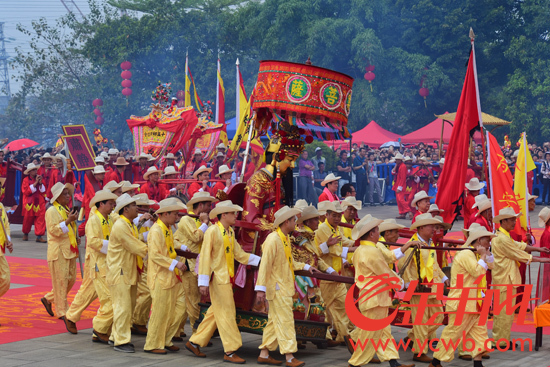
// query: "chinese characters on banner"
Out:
[79,130]
[82,157]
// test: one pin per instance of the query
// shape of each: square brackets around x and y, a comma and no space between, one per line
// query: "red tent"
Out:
[372,135]
[431,133]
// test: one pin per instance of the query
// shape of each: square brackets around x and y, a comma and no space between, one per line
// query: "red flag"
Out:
[502,191]
[450,188]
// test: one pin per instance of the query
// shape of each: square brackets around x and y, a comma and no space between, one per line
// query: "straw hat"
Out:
[120,161]
[102,195]
[330,177]
[531,197]
[199,197]
[124,200]
[506,213]
[170,156]
[398,156]
[516,154]
[323,206]
[335,206]
[113,151]
[476,234]
[420,196]
[301,204]
[351,201]
[390,224]
[98,170]
[59,156]
[30,167]
[478,199]
[446,226]
[46,156]
[201,170]
[220,154]
[170,170]
[104,155]
[474,184]
[150,158]
[442,161]
[473,227]
[127,186]
[407,159]
[142,155]
[435,208]
[223,207]
[364,225]
[483,205]
[143,199]
[170,205]
[224,169]
[112,185]
[197,152]
[150,171]
[424,220]
[544,215]
[308,212]
[99,159]
[221,146]
[283,214]
[58,188]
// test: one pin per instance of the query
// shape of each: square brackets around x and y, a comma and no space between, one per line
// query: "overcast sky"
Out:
[13,12]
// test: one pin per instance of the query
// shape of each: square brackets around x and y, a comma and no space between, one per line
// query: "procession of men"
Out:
[133,233]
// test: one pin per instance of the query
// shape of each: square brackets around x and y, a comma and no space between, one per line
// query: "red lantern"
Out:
[126,65]
[98,112]
[370,68]
[127,92]
[369,75]
[126,83]
[424,92]
[97,102]
[99,120]
[126,74]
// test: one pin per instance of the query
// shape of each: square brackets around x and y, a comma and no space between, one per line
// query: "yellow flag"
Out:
[242,131]
[524,164]
[187,83]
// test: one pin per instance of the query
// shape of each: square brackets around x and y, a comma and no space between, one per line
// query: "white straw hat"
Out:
[474,184]
[170,205]
[283,214]
[435,208]
[58,188]
[224,207]
[329,178]
[30,167]
[102,195]
[150,171]
[424,220]
[506,213]
[124,200]
[351,201]
[223,169]
[389,224]
[308,212]
[544,215]
[420,196]
[201,170]
[199,197]
[364,225]
[476,234]
[170,170]
[98,170]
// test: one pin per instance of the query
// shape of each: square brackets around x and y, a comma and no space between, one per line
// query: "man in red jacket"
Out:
[202,175]
[46,169]
[331,188]
[399,186]
[473,187]
[118,173]
[152,188]
[224,174]
[139,168]
[34,203]
[92,185]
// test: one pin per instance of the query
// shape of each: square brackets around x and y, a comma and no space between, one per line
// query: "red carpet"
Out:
[22,315]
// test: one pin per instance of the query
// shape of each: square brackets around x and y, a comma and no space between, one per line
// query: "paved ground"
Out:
[70,350]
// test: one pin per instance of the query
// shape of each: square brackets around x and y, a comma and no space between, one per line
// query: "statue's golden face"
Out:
[288,161]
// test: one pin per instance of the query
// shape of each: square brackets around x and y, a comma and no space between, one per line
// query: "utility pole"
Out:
[5,93]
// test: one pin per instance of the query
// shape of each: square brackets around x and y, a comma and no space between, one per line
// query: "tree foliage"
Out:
[410,42]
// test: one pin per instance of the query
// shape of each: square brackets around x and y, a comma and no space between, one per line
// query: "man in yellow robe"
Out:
[508,256]
[430,272]
[164,280]
[122,274]
[470,265]
[218,254]
[63,244]
[5,243]
[190,235]
[86,293]
[276,284]
[369,262]
[334,293]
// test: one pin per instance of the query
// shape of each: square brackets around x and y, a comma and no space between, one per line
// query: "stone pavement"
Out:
[71,350]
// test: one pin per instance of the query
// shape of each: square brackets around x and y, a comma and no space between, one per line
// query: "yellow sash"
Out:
[72,227]
[368,243]
[169,239]
[198,223]
[288,250]
[482,286]
[106,225]
[507,234]
[3,238]
[336,260]
[228,243]
[136,235]
[426,269]
[346,230]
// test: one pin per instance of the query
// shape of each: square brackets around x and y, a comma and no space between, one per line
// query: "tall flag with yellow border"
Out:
[187,83]
[524,164]
[220,105]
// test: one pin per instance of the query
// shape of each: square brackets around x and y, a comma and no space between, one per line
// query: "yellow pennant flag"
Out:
[187,83]
[242,131]
[524,164]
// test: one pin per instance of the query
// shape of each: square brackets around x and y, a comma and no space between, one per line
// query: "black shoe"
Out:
[111,343]
[125,348]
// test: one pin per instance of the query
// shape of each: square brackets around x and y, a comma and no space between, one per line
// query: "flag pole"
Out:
[483,140]
[490,180]
[245,158]
[237,92]
[218,91]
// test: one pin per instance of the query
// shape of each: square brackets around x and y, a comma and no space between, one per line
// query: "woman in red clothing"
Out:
[34,203]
